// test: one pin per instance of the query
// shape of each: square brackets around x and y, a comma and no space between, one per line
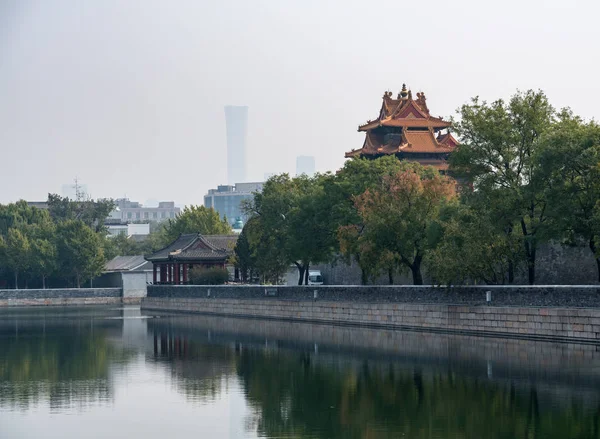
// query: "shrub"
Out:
[208,276]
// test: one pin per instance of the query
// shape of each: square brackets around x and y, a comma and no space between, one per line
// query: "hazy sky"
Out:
[128,95]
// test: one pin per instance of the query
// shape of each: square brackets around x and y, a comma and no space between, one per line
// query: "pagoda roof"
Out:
[411,141]
[196,247]
[447,139]
[404,112]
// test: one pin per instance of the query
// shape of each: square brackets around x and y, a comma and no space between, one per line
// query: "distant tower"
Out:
[305,165]
[236,122]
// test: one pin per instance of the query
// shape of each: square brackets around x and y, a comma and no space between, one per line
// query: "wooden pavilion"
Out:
[171,264]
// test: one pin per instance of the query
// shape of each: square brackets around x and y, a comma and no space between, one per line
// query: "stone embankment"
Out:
[61,297]
[544,312]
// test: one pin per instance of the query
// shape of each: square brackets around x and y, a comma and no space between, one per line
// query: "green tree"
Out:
[352,180]
[401,218]
[501,144]
[472,248]
[196,219]
[90,212]
[573,155]
[293,213]
[80,251]
[16,252]
[243,258]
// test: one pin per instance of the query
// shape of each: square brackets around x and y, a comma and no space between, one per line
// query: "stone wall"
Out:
[555,264]
[519,295]
[62,297]
[534,312]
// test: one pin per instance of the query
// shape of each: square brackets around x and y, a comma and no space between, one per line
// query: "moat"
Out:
[117,372]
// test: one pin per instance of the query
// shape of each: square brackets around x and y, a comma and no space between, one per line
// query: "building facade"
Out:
[236,124]
[227,199]
[406,129]
[127,211]
[305,165]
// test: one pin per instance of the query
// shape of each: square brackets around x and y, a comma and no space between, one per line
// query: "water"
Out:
[101,372]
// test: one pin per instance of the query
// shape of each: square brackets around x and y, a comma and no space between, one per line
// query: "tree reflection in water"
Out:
[63,364]
[200,370]
[295,398]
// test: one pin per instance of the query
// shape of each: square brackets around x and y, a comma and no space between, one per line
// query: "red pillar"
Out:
[176,268]
[154,274]
[185,273]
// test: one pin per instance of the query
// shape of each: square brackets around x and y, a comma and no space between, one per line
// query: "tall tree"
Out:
[80,251]
[16,251]
[402,216]
[573,157]
[353,179]
[90,212]
[294,214]
[196,219]
[499,153]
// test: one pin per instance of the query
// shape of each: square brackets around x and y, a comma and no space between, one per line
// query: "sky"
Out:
[128,96]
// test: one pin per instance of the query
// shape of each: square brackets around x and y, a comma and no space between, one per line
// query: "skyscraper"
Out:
[236,122]
[305,165]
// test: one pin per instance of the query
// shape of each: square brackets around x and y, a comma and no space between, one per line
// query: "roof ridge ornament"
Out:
[403,93]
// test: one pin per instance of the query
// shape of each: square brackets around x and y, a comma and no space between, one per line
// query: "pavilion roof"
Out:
[410,141]
[196,247]
[404,112]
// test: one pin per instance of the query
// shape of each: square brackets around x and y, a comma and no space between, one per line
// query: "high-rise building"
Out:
[236,123]
[227,199]
[305,165]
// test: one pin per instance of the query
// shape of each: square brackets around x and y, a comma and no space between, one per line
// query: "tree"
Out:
[572,154]
[16,251]
[501,144]
[472,248]
[401,217]
[196,219]
[90,212]
[353,179]
[293,213]
[243,258]
[80,252]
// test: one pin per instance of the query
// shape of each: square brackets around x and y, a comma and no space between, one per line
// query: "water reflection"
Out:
[413,385]
[202,376]
[62,358]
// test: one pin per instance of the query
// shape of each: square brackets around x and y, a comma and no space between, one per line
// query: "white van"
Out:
[315,277]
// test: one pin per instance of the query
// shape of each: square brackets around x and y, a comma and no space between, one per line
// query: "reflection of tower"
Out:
[236,123]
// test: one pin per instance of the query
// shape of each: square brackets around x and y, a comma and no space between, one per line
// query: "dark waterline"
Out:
[113,372]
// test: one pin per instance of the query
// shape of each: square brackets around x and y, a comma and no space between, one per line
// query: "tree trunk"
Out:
[43,282]
[531,265]
[416,271]
[306,267]
[16,280]
[300,273]
[511,272]
[78,282]
[391,276]
[363,277]
[594,250]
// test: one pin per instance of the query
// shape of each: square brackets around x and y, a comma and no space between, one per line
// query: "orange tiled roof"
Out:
[411,142]
[447,139]
[404,112]
[422,141]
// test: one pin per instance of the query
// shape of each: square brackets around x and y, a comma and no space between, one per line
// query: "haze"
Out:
[128,95]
